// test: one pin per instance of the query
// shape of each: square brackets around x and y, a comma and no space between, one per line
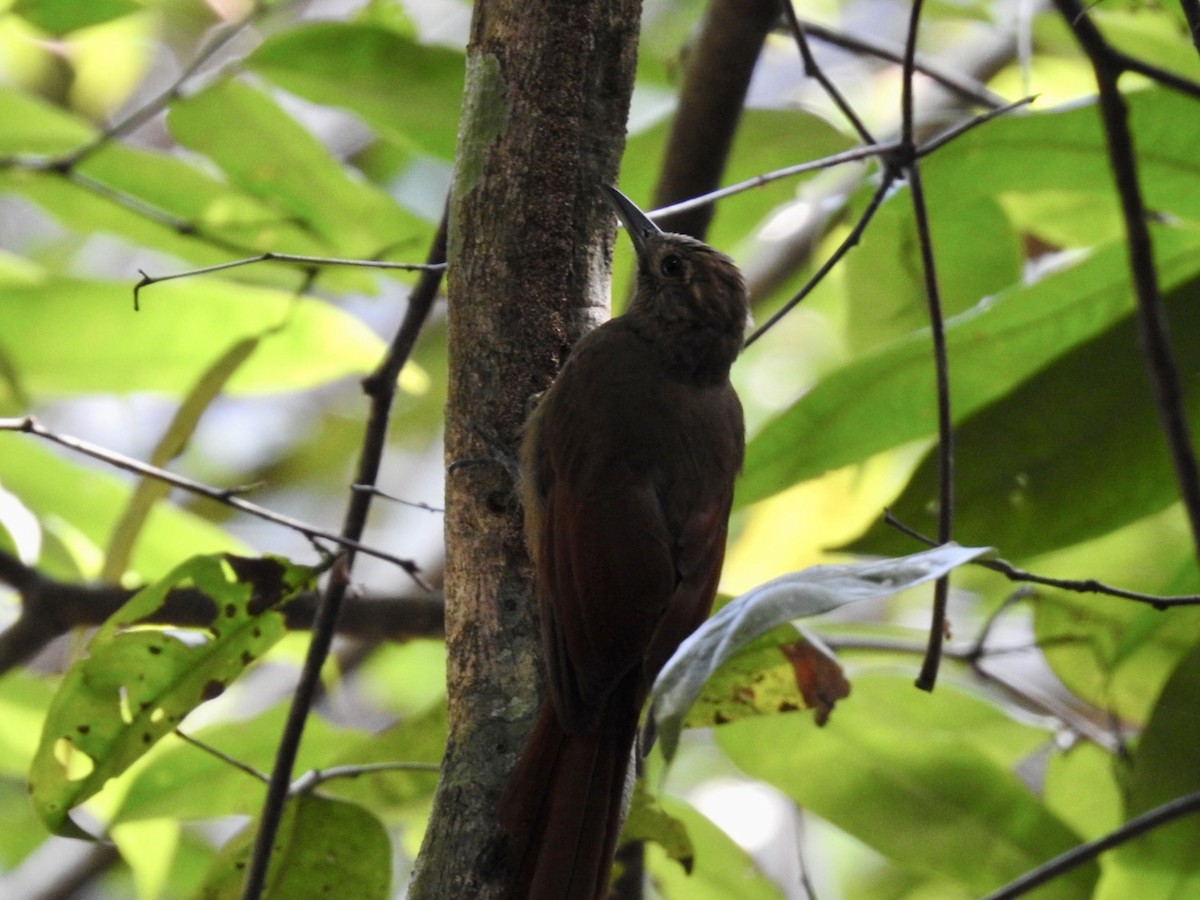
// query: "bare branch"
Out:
[380,386]
[856,154]
[50,609]
[392,497]
[908,160]
[316,777]
[812,70]
[221,755]
[956,131]
[887,151]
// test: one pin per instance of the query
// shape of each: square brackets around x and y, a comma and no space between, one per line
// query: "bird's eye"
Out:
[671,265]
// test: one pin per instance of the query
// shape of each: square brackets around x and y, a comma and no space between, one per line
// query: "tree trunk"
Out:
[547,95]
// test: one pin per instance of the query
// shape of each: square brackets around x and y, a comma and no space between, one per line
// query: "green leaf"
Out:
[735,626]
[722,870]
[77,503]
[407,92]
[887,398]
[167,346]
[58,17]
[885,286]
[1166,765]
[915,791]
[1050,465]
[1081,788]
[781,671]
[324,848]
[648,821]
[33,126]
[289,169]
[137,683]
[1070,148]
[1112,653]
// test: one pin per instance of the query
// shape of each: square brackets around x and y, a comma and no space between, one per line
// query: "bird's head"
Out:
[684,285]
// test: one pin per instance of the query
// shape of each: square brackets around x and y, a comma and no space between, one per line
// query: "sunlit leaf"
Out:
[1050,465]
[172,340]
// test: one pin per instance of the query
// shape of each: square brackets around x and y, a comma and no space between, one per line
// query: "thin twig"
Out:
[1085,853]
[1075,585]
[857,154]
[221,755]
[316,777]
[380,386]
[227,496]
[938,141]
[975,656]
[812,70]
[1161,367]
[269,256]
[415,504]
[908,160]
[890,175]
[945,450]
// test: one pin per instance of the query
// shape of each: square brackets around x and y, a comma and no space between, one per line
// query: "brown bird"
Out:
[627,464]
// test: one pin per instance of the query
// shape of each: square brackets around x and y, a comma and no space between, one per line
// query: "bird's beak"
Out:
[636,223]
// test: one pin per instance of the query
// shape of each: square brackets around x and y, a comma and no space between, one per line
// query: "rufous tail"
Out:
[562,807]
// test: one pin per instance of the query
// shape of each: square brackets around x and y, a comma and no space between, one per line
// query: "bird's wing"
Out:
[699,555]
[601,600]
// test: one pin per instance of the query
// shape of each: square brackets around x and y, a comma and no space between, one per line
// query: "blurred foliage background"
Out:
[161,136]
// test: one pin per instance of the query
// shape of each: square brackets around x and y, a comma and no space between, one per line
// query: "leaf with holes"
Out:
[137,682]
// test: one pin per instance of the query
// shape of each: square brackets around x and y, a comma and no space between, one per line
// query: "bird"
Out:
[627,468]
